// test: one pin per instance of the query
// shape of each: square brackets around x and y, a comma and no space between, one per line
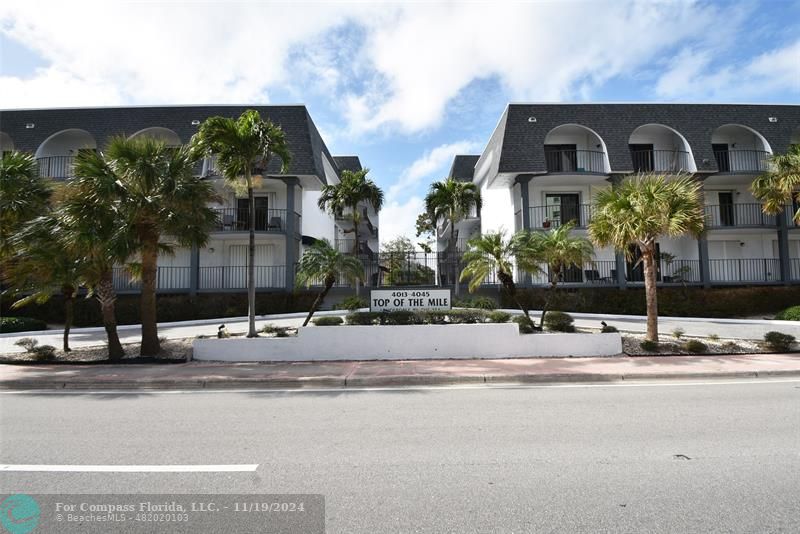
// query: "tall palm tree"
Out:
[353,189]
[487,254]
[157,195]
[777,188]
[23,195]
[241,145]
[322,262]
[557,248]
[451,200]
[639,211]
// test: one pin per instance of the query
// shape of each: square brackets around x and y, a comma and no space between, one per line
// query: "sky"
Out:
[405,86]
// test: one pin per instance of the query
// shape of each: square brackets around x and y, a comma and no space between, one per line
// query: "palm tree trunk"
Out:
[251,258]
[453,259]
[320,298]
[548,300]
[648,259]
[69,300]
[508,282]
[107,297]
[150,344]
[356,220]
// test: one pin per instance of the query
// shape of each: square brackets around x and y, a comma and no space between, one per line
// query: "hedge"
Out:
[20,324]
[170,307]
[672,301]
[789,314]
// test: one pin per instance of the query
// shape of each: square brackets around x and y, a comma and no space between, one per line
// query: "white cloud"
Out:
[398,219]
[432,164]
[696,75]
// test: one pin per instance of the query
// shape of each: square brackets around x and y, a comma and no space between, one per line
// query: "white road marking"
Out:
[49,468]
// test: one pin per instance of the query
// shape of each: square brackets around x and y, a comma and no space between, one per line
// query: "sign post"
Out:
[409,299]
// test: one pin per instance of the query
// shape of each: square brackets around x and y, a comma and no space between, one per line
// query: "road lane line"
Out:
[52,468]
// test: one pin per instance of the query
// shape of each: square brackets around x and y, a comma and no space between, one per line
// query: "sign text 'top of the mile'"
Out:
[409,299]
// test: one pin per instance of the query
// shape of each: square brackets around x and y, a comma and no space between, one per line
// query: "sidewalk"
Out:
[393,373]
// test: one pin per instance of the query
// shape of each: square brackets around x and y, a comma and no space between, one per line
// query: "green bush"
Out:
[713,337]
[352,303]
[695,346]
[327,320]
[467,316]
[27,343]
[559,321]
[433,317]
[525,324]
[649,346]
[678,333]
[44,352]
[779,341]
[498,316]
[608,329]
[400,317]
[482,303]
[20,324]
[277,331]
[362,318]
[789,314]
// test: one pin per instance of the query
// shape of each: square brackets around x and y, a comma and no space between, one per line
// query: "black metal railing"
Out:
[742,160]
[545,217]
[660,160]
[789,213]
[745,270]
[574,161]
[166,278]
[235,277]
[267,220]
[674,271]
[737,215]
[597,272]
[56,167]
[794,268]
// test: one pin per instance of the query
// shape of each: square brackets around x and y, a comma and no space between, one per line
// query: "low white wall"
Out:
[412,342]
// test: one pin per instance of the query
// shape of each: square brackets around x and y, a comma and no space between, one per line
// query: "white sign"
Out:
[409,299]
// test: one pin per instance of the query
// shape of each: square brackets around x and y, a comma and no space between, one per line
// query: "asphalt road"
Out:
[661,457]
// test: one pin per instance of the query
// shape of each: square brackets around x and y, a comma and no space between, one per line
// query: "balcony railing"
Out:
[545,217]
[744,161]
[745,270]
[235,277]
[660,160]
[267,220]
[574,161]
[166,278]
[794,268]
[56,167]
[738,215]
[598,272]
[667,272]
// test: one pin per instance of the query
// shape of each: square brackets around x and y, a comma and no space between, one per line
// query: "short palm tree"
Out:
[158,194]
[557,248]
[488,254]
[240,146]
[23,195]
[323,263]
[639,211]
[776,188]
[451,200]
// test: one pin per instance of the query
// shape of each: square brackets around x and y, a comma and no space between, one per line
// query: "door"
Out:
[636,267]
[722,156]
[562,208]
[726,212]
[642,156]
[243,213]
[561,158]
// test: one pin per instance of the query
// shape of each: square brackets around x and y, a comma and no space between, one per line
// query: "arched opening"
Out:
[6,143]
[56,155]
[572,148]
[166,135]
[659,148]
[740,149]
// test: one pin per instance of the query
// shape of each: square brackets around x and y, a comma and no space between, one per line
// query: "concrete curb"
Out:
[370,381]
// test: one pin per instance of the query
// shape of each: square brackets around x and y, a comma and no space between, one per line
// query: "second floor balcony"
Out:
[267,220]
[660,160]
[745,215]
[573,161]
[553,216]
[742,161]
[56,167]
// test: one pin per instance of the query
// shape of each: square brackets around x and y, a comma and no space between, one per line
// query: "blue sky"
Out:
[404,86]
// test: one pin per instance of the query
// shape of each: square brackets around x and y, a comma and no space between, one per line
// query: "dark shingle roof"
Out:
[463,167]
[348,163]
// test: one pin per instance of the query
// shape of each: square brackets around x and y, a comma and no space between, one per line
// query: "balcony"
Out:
[546,217]
[56,167]
[735,271]
[738,216]
[235,277]
[571,161]
[168,278]
[660,160]
[742,161]
[267,220]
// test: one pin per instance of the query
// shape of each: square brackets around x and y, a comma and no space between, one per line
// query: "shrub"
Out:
[44,352]
[608,329]
[713,337]
[499,316]
[695,346]
[649,346]
[559,321]
[400,317]
[468,316]
[362,318]
[327,320]
[277,331]
[20,324]
[678,333]
[525,324]
[789,314]
[433,317]
[779,341]
[27,343]
[352,303]
[482,303]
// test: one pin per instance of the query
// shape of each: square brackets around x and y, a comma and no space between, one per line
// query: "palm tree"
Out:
[556,248]
[158,195]
[23,195]
[777,187]
[353,189]
[451,200]
[241,145]
[322,262]
[487,254]
[639,211]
